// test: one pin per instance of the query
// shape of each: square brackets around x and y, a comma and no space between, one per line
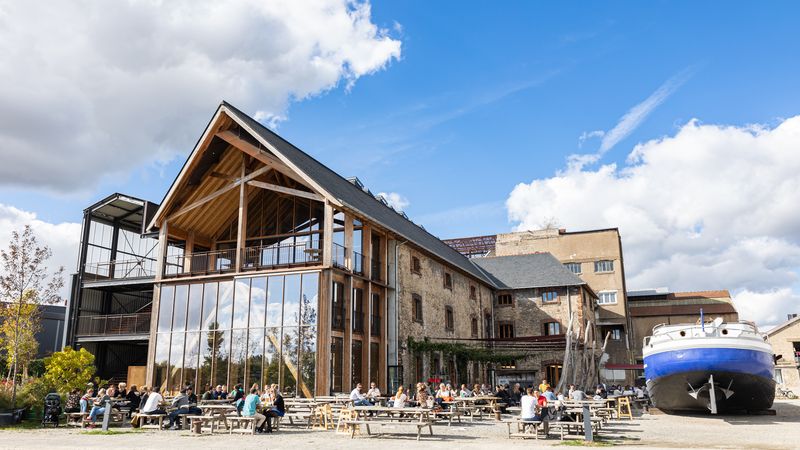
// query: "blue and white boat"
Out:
[717,367]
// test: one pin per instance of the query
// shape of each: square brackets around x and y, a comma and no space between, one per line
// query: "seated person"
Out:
[530,411]
[400,399]
[183,407]
[550,395]
[208,394]
[99,406]
[465,392]
[73,403]
[278,407]
[152,403]
[220,393]
[358,398]
[541,400]
[373,393]
[251,403]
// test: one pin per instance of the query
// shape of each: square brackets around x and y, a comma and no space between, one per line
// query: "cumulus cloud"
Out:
[62,238]
[711,207]
[395,200]
[90,89]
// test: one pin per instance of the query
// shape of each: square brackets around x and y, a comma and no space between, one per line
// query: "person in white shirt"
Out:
[373,393]
[153,404]
[400,398]
[528,407]
[358,398]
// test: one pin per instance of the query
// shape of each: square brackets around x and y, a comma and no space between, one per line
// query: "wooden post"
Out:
[327,236]
[241,234]
[348,242]
[163,242]
[187,252]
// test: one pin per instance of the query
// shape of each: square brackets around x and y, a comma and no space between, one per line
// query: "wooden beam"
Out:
[327,236]
[163,242]
[252,150]
[286,190]
[223,176]
[241,234]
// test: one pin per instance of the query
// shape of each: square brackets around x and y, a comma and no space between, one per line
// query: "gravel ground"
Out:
[648,431]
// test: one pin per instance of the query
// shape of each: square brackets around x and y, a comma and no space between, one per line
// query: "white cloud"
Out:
[630,121]
[395,200]
[88,89]
[62,238]
[712,207]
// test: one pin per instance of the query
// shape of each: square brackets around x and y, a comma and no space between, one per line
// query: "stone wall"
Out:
[783,344]
[430,286]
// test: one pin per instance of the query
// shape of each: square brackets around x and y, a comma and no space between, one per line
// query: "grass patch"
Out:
[29,424]
[582,443]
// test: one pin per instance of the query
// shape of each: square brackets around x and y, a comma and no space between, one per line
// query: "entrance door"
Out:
[553,372]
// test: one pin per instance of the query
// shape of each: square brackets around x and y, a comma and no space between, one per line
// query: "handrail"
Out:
[113,324]
[338,255]
[119,269]
[281,255]
[201,263]
[358,263]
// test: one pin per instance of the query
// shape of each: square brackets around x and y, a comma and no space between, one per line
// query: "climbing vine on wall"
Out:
[463,353]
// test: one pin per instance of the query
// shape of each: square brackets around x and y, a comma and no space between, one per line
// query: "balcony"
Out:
[376,272]
[338,256]
[358,263]
[200,263]
[114,325]
[119,270]
[285,255]
[375,325]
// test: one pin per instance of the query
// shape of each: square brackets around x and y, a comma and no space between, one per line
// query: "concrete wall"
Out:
[783,344]
[429,284]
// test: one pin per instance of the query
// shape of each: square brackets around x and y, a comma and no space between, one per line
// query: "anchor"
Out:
[712,395]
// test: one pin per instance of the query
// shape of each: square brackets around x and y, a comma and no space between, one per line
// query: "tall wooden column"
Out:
[241,234]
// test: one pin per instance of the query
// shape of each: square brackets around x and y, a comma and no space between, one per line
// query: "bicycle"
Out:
[786,393]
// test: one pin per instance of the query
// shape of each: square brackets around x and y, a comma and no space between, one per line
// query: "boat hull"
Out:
[750,392]
[679,380]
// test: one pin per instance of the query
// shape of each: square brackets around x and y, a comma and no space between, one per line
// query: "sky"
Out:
[677,122]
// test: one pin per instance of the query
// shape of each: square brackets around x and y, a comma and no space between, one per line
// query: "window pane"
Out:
[161,361]
[255,356]
[337,363]
[271,356]
[374,363]
[206,355]
[238,358]
[225,305]
[241,300]
[222,345]
[291,301]
[195,307]
[357,316]
[337,310]
[308,359]
[175,362]
[258,302]
[210,306]
[179,314]
[356,373]
[190,355]
[289,355]
[274,301]
[310,298]
[165,308]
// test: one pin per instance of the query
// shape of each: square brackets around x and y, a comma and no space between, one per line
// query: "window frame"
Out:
[417,309]
[473,292]
[474,327]
[603,303]
[555,299]
[546,328]
[449,319]
[601,264]
[567,265]
[500,327]
[416,265]
[447,280]
[505,304]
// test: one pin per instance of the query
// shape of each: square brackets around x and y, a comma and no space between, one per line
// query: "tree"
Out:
[23,335]
[69,369]
[25,281]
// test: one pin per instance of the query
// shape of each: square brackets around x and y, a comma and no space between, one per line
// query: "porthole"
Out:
[724,331]
[683,333]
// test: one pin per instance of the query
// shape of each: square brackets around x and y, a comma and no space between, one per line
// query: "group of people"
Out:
[424,395]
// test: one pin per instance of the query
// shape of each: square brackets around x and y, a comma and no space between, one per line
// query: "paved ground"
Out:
[649,431]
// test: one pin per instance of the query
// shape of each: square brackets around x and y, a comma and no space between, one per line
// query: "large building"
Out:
[785,340]
[262,265]
[593,255]
[536,299]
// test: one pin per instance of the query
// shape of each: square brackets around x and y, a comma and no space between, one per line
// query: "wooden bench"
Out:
[522,427]
[151,421]
[198,423]
[116,418]
[356,424]
[241,424]
[75,419]
[453,412]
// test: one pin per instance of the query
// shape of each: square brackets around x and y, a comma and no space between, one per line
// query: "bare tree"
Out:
[25,281]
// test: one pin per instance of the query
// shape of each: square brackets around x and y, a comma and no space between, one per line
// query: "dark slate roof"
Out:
[528,271]
[358,200]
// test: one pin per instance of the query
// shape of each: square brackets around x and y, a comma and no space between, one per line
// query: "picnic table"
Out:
[212,415]
[479,404]
[386,417]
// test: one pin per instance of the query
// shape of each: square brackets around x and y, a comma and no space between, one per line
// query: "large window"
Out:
[375,323]
[417,307]
[550,297]
[356,372]
[474,327]
[604,266]
[505,300]
[358,310]
[505,330]
[607,298]
[552,328]
[337,364]
[337,313]
[254,330]
[449,320]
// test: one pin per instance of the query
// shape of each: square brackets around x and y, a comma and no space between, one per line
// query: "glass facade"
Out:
[259,329]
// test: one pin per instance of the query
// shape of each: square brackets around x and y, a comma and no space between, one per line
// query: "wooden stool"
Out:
[624,408]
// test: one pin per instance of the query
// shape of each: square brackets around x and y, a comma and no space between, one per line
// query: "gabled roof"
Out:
[784,325]
[339,190]
[535,270]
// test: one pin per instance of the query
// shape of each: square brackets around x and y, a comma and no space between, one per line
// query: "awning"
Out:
[625,366]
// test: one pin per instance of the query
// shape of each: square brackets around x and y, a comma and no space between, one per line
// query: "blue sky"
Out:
[450,105]
[486,97]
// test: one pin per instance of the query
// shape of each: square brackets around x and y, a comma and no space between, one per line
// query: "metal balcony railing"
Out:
[376,272]
[119,270]
[338,256]
[201,263]
[114,325]
[375,325]
[358,263]
[283,255]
